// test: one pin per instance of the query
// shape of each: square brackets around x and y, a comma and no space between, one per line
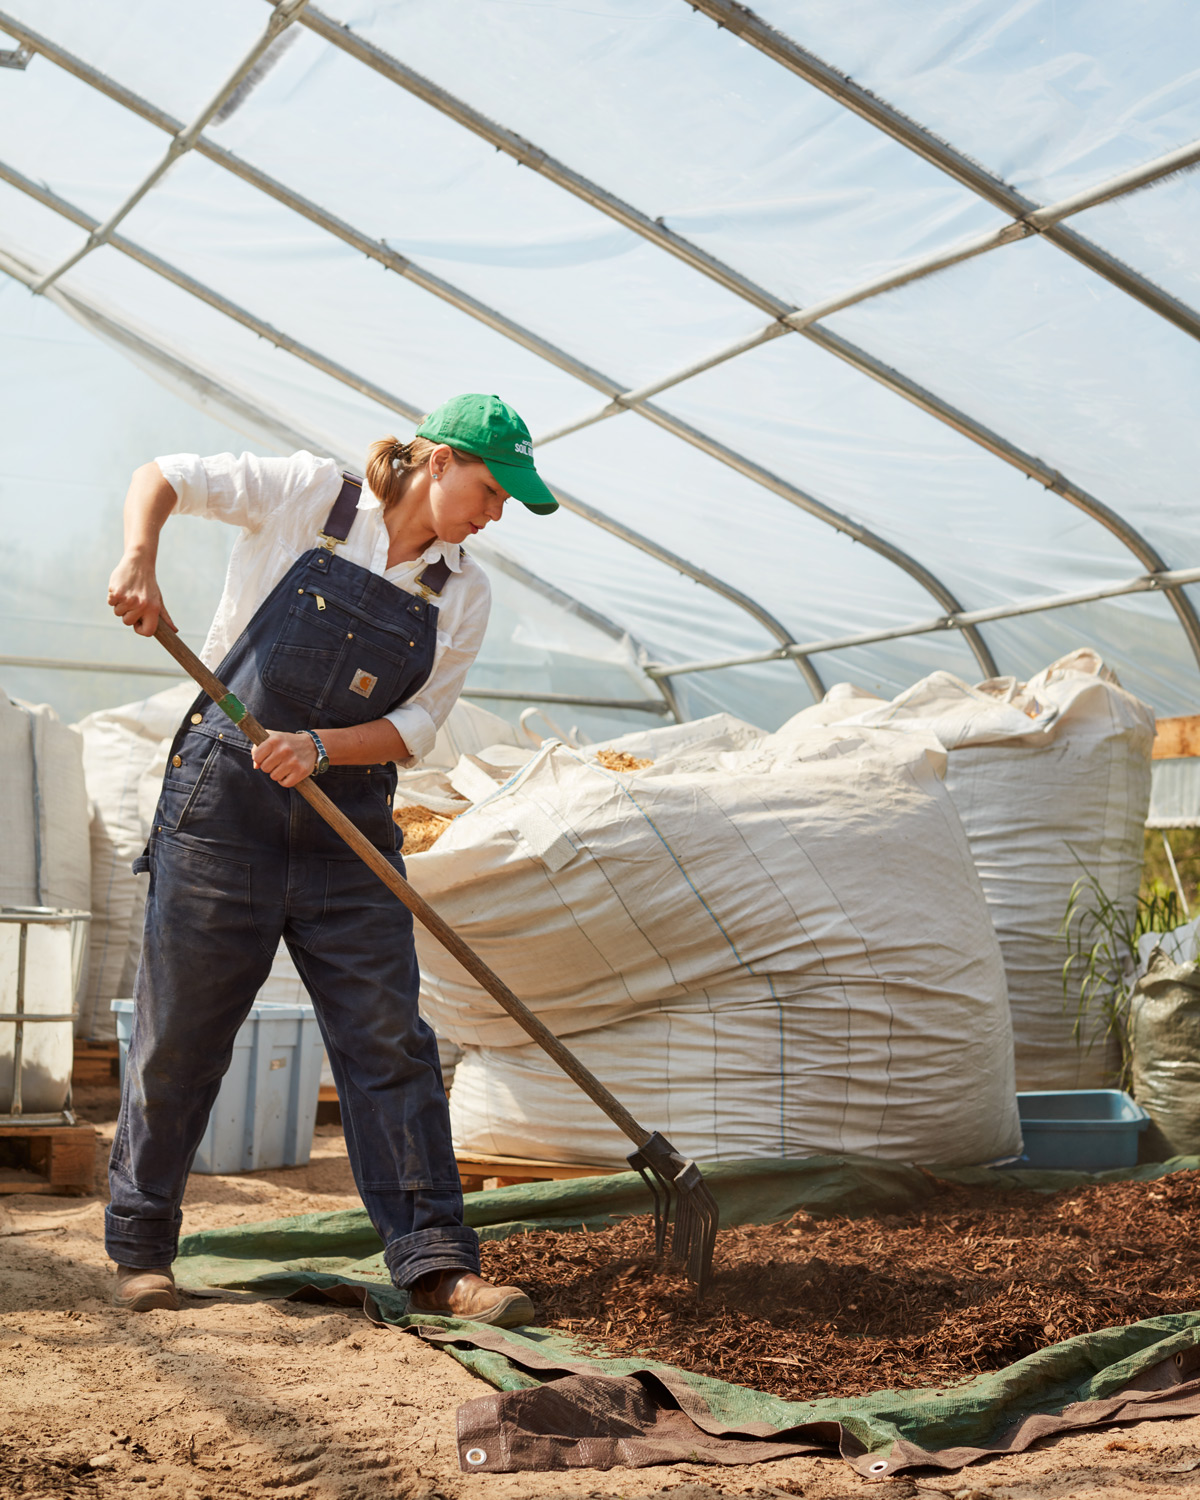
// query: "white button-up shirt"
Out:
[281,504]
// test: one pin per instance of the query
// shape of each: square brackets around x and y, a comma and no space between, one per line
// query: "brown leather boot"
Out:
[141,1290]
[462,1294]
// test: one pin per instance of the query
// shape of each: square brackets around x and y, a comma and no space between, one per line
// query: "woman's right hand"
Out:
[135,597]
[133,588]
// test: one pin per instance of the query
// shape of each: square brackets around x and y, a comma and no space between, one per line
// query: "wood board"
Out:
[96,1062]
[1177,739]
[481,1170]
[47,1158]
[478,1170]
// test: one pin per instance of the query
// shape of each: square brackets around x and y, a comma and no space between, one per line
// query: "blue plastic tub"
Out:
[264,1114]
[1080,1130]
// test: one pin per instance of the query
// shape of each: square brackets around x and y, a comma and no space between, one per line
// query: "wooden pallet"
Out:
[1175,739]
[329,1109]
[479,1171]
[47,1158]
[96,1062]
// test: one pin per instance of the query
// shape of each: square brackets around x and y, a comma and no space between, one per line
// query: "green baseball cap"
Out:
[489,428]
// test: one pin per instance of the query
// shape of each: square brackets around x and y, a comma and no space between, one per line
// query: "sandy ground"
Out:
[222,1401]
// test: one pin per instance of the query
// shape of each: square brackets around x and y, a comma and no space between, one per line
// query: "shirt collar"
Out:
[448,552]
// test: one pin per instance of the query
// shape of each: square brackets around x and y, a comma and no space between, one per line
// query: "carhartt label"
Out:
[363,683]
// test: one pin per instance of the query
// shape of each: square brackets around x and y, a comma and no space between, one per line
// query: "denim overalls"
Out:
[237,862]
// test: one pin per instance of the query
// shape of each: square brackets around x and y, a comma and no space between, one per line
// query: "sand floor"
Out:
[225,1400]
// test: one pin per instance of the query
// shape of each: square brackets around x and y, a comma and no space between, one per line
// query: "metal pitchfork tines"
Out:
[667,1174]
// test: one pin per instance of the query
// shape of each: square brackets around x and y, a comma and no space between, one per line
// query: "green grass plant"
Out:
[1101,964]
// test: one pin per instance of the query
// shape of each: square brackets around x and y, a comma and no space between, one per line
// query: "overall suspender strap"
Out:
[432,580]
[341,517]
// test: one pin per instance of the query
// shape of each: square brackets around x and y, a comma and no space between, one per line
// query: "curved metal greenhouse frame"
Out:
[63,279]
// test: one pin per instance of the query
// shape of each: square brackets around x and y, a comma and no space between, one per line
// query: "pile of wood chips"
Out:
[621,760]
[973,1280]
[421,827]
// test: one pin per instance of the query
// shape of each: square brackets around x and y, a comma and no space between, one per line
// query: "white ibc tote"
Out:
[767,951]
[1051,778]
[45,881]
[41,960]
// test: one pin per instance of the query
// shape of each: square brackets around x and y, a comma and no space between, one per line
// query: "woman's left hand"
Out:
[287,758]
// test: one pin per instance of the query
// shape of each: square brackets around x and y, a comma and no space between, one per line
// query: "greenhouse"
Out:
[838,375]
[816,817]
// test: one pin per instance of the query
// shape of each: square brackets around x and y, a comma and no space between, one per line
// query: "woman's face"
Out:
[463,497]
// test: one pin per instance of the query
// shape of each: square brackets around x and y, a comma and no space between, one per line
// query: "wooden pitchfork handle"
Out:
[238,714]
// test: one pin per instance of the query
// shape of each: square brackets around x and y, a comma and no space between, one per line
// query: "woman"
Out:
[349,619]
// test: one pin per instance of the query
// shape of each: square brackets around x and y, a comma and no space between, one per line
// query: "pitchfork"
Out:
[666,1173]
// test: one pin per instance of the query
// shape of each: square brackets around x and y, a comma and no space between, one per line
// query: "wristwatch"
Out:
[322,764]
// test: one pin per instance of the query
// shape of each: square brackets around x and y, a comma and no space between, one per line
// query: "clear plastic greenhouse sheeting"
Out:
[726,148]
[113,417]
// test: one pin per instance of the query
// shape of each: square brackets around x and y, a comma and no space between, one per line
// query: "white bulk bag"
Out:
[1052,780]
[768,951]
[43,810]
[124,755]
[467,730]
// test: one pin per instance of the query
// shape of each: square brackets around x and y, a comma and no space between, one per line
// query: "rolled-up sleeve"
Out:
[184,472]
[239,489]
[419,719]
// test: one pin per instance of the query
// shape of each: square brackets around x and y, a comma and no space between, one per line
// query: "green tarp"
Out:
[637,1411]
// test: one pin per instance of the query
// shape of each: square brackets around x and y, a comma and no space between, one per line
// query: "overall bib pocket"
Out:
[331,661]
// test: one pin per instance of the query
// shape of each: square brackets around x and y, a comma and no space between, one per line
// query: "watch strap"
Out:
[322,764]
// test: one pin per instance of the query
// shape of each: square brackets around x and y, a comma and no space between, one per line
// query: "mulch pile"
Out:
[621,760]
[421,827]
[971,1281]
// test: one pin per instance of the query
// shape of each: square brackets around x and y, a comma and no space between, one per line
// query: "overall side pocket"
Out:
[182,784]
